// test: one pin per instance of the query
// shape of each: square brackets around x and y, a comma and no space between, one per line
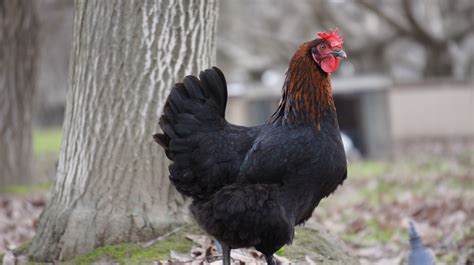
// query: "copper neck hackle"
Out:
[307,93]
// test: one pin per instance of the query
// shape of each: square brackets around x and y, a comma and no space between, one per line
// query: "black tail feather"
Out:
[193,87]
[162,140]
[193,109]
[214,81]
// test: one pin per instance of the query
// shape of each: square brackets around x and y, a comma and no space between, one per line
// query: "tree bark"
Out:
[17,80]
[112,182]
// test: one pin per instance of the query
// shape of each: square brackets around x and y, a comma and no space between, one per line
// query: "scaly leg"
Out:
[270,259]
[225,254]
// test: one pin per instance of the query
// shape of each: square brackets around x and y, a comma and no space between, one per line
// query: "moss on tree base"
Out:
[131,253]
[310,241]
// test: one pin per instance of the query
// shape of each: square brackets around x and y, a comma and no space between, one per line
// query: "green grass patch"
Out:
[467,159]
[450,258]
[27,188]
[130,253]
[114,253]
[376,234]
[47,141]
[161,249]
[379,233]
[307,241]
[351,237]
[366,168]
[22,249]
[381,192]
[281,251]
[462,184]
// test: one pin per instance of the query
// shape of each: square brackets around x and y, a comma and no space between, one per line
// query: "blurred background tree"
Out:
[427,38]
[18,54]
[410,40]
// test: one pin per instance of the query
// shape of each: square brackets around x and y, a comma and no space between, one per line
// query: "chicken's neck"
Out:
[307,95]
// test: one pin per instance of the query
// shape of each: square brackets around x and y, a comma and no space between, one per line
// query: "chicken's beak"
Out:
[339,53]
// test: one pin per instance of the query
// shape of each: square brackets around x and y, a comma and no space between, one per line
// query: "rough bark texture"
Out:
[112,182]
[17,79]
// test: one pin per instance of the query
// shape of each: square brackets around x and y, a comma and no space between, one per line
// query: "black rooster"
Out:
[251,185]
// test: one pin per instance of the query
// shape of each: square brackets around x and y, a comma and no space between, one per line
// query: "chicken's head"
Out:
[326,50]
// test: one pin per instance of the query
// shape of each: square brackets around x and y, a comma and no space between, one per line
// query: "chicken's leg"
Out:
[270,260]
[225,254]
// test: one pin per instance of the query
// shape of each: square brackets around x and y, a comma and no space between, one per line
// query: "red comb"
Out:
[333,37]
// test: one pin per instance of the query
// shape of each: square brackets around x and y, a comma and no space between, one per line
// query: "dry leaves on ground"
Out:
[18,219]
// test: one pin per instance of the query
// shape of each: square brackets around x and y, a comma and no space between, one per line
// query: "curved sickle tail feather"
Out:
[194,110]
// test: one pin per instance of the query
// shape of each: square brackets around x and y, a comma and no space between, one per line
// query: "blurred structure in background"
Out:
[409,75]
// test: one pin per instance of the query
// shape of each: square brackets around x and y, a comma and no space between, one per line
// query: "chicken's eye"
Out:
[323,46]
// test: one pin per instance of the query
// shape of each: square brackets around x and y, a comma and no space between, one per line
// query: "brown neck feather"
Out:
[307,94]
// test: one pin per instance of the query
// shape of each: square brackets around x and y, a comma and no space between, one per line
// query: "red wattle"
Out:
[330,64]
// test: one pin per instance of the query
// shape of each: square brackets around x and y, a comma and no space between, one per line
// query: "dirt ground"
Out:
[370,212]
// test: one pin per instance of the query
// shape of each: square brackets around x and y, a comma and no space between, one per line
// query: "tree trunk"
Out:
[112,182]
[17,80]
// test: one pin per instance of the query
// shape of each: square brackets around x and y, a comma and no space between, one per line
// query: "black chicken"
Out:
[251,185]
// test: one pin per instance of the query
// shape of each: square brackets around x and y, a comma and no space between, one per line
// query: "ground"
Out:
[433,186]
[371,211]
